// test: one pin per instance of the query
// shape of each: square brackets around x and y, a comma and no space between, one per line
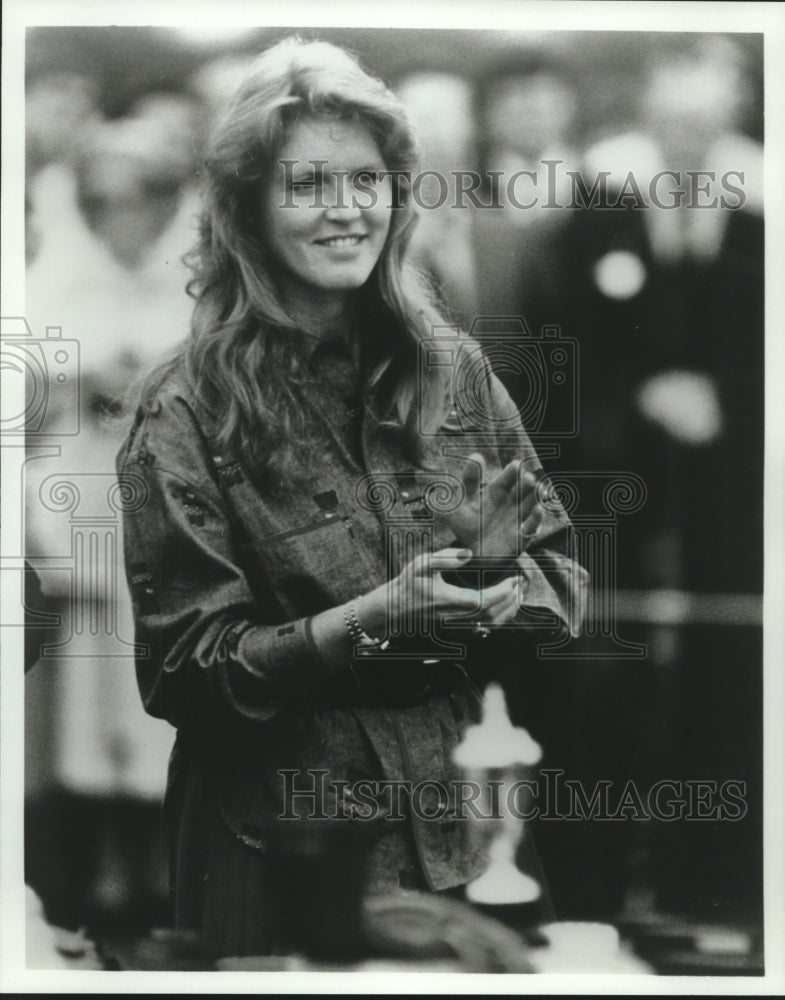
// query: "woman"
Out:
[294,508]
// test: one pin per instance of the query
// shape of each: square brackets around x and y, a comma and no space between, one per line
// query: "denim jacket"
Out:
[225,579]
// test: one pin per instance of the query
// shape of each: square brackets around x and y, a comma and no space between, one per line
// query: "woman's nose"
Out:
[342,209]
[339,199]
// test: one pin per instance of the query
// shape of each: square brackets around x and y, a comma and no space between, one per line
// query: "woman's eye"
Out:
[368,177]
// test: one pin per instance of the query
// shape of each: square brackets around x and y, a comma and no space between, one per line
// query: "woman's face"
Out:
[326,223]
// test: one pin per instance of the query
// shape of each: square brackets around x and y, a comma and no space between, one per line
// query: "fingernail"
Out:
[464,553]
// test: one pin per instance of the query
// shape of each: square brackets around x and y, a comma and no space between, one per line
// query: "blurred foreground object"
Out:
[48,947]
[493,755]
[585,947]
[413,932]
[420,928]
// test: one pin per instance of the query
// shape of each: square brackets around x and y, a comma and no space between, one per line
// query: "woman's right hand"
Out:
[419,598]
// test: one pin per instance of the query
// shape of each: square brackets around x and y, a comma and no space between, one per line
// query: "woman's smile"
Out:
[341,242]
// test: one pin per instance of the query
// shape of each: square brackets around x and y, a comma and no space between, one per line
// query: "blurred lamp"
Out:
[494,756]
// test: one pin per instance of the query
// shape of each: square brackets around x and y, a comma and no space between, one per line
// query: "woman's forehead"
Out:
[340,143]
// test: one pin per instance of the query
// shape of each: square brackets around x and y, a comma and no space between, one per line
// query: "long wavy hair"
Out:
[246,357]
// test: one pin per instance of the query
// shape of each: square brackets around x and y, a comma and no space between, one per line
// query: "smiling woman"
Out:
[300,508]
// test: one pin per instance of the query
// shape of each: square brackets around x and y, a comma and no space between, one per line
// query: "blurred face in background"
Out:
[58,109]
[325,228]
[530,114]
[129,182]
[178,119]
[439,106]
[689,103]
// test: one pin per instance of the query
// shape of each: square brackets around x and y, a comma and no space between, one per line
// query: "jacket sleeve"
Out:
[555,582]
[207,650]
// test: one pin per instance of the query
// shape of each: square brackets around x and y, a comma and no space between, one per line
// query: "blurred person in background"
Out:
[214,84]
[440,108]
[47,946]
[528,108]
[671,294]
[528,114]
[59,109]
[112,234]
[666,305]
[112,215]
[675,300]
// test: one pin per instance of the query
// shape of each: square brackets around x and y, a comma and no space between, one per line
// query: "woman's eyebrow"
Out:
[373,168]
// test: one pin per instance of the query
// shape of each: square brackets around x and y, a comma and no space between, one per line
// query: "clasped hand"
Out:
[500,517]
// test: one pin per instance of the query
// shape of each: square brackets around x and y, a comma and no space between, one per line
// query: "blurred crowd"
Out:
[666,310]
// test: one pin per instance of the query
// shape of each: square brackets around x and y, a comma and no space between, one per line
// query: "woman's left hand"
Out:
[499,517]
[505,610]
